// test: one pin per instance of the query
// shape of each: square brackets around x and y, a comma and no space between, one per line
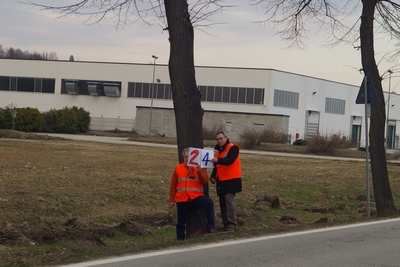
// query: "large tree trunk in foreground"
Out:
[185,94]
[186,97]
[382,192]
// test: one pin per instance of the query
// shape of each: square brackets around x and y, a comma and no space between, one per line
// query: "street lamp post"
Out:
[152,90]
[388,110]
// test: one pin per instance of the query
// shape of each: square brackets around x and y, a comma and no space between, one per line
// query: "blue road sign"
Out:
[372,96]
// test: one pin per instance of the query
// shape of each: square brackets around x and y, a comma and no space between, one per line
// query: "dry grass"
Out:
[63,201]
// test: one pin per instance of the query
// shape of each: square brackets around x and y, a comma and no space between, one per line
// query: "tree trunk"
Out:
[382,192]
[185,94]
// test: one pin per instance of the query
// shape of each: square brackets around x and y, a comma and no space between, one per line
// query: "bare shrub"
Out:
[327,144]
[340,141]
[272,136]
[320,145]
[250,138]
[209,133]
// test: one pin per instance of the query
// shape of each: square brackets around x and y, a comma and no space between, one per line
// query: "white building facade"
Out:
[113,93]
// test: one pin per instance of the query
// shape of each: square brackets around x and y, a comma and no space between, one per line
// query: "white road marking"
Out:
[221,244]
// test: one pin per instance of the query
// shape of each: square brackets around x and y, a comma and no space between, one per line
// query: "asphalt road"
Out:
[368,244]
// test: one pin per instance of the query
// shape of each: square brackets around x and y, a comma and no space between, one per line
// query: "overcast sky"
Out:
[235,43]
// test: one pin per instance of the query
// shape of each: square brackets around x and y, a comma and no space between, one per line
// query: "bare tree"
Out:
[178,17]
[293,18]
[19,54]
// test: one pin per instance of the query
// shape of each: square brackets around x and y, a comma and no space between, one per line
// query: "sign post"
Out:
[367,95]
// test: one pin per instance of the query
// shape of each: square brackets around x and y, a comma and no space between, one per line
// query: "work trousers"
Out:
[228,209]
[184,208]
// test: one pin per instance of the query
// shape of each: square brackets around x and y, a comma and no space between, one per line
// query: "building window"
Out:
[242,95]
[250,96]
[218,94]
[46,85]
[13,86]
[210,94]
[286,99]
[85,87]
[335,106]
[234,95]
[146,90]
[227,94]
[27,84]
[159,91]
[168,91]
[143,90]
[258,96]
[5,83]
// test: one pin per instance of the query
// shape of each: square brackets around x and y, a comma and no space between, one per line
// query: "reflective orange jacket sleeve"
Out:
[172,187]
[203,176]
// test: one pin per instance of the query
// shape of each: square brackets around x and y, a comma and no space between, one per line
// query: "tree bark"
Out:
[185,94]
[382,192]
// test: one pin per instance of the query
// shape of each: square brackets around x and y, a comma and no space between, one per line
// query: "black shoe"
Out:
[229,229]
[212,231]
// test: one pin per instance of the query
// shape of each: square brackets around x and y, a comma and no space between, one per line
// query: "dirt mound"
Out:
[11,234]
[78,229]
[47,233]
[133,229]
[155,220]
[288,220]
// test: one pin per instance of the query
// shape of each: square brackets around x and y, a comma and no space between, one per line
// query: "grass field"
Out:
[63,201]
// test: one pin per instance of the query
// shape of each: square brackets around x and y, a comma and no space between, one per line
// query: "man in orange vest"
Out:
[187,191]
[227,173]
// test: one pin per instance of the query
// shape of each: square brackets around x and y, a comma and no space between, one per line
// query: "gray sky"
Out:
[235,43]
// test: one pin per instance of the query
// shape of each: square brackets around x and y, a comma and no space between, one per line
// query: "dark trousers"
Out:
[184,208]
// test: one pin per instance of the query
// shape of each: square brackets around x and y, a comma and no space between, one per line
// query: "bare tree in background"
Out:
[178,17]
[293,18]
[16,53]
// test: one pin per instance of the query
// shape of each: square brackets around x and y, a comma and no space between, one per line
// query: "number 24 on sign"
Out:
[200,157]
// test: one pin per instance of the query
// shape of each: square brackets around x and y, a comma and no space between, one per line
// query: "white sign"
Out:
[202,157]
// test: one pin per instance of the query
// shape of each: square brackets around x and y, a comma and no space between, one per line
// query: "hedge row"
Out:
[67,120]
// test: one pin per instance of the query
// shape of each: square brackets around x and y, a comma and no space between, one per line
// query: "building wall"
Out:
[163,122]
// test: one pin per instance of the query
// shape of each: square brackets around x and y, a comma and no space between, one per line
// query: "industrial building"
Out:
[138,97]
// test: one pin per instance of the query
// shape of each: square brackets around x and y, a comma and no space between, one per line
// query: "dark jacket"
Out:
[230,186]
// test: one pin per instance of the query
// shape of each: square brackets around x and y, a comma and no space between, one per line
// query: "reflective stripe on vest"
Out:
[189,189]
[187,178]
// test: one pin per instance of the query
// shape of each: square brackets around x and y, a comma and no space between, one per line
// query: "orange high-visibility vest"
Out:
[188,188]
[228,172]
